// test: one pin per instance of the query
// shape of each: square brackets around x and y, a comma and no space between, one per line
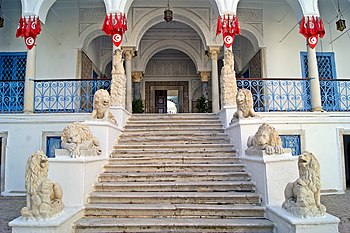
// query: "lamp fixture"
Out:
[341,21]
[168,14]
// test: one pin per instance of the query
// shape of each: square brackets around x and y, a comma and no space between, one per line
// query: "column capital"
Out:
[128,52]
[137,76]
[204,76]
[213,52]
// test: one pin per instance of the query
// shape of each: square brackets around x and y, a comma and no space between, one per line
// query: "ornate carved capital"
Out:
[129,53]
[214,52]
[137,76]
[204,76]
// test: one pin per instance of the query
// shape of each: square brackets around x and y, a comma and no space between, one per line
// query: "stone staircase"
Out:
[174,173]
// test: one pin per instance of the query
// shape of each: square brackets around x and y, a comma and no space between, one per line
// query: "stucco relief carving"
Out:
[79,141]
[101,105]
[302,197]
[228,80]
[244,100]
[118,86]
[44,197]
[266,138]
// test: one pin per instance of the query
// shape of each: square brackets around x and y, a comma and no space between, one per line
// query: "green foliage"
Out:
[137,106]
[202,105]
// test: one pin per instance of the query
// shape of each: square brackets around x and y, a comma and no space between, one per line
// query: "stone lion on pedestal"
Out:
[79,141]
[44,197]
[302,197]
[266,138]
[101,105]
[245,109]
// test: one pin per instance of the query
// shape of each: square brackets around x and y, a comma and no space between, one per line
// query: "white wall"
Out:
[25,137]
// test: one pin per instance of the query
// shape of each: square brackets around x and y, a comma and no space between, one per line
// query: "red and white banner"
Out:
[312,28]
[29,28]
[115,25]
[229,27]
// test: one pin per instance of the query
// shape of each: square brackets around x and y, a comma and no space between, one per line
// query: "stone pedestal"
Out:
[271,173]
[106,133]
[76,177]
[285,222]
[62,223]
[226,114]
[121,115]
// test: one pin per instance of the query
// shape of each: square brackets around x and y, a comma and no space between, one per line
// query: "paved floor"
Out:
[338,205]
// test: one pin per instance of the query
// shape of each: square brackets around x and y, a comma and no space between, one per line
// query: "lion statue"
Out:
[266,138]
[101,104]
[44,197]
[79,141]
[244,100]
[302,197]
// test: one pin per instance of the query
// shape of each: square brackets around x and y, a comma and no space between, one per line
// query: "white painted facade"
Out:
[174,51]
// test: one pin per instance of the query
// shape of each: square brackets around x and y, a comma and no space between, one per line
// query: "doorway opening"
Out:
[346,140]
[172,101]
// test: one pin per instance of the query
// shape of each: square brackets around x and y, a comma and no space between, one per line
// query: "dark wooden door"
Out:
[161,101]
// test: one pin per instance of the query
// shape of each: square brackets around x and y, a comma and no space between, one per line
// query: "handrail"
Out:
[272,79]
[10,81]
[64,80]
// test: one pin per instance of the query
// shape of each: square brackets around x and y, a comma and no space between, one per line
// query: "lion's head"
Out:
[102,100]
[267,135]
[244,100]
[76,133]
[36,171]
[309,170]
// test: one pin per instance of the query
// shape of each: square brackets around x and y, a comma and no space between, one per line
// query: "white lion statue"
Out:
[79,141]
[266,138]
[244,100]
[44,197]
[302,197]
[101,105]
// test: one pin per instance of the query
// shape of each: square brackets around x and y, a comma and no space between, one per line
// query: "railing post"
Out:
[316,104]
[29,81]
[214,52]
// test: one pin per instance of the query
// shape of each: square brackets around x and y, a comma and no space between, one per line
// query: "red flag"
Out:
[125,23]
[312,41]
[218,25]
[321,30]
[19,28]
[302,29]
[105,25]
[30,41]
[38,26]
[313,26]
[228,39]
[238,29]
[117,38]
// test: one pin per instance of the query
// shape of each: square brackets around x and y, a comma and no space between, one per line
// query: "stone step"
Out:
[181,116]
[139,153]
[202,186]
[173,176]
[172,210]
[158,140]
[204,129]
[174,121]
[173,134]
[192,126]
[174,168]
[214,198]
[179,147]
[103,225]
[174,160]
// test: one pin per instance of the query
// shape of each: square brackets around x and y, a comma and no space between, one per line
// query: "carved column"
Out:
[118,86]
[128,56]
[204,77]
[314,80]
[136,78]
[228,83]
[29,81]
[214,52]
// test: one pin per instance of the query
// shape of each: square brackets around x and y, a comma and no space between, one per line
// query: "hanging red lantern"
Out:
[229,27]
[29,28]
[311,27]
[115,25]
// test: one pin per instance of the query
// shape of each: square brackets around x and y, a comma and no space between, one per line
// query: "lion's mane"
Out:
[101,105]
[244,106]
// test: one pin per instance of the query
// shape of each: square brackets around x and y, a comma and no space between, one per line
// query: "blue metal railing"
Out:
[69,95]
[11,96]
[335,94]
[270,95]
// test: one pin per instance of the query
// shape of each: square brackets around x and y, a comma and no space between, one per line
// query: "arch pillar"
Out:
[128,53]
[214,53]
[204,76]
[136,78]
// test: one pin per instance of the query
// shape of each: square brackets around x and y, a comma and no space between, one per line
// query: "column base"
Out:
[318,109]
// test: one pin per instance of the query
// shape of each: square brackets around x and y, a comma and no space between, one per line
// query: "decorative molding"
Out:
[91,15]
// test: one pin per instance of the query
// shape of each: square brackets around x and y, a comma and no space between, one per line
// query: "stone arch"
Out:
[170,44]
[181,15]
[253,35]
[89,34]
[105,59]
